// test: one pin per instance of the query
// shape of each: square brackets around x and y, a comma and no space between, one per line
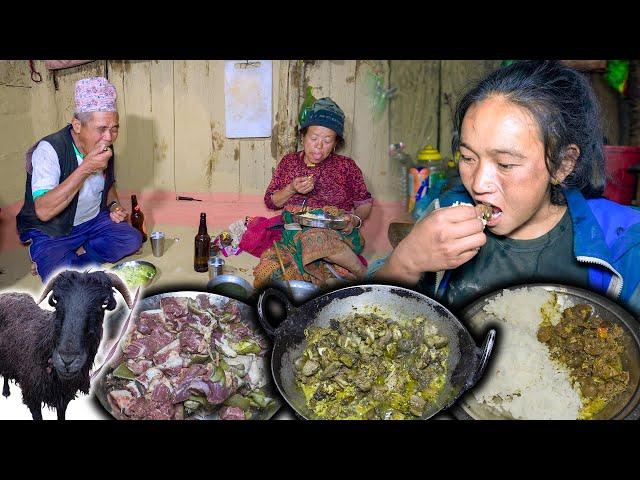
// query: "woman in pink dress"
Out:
[329,182]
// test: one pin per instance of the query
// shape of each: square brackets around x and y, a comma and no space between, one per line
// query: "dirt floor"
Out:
[175,272]
[174,267]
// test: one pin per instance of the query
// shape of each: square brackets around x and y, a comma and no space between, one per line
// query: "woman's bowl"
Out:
[321,220]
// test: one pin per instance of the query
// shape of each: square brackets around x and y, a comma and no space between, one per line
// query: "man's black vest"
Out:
[62,223]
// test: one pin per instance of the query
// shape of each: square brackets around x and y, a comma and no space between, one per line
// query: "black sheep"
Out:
[49,353]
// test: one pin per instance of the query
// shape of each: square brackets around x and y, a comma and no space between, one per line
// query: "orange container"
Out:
[417,175]
[621,185]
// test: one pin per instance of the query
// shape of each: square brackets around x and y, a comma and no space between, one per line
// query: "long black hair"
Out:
[566,110]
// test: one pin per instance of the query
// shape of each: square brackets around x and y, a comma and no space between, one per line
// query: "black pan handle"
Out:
[264,297]
[484,354]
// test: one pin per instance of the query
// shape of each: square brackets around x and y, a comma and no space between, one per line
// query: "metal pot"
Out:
[625,406]
[230,286]
[101,389]
[466,361]
[301,290]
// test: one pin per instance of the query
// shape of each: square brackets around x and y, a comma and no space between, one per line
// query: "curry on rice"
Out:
[590,348]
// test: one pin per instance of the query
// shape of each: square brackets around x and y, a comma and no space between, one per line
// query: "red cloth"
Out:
[338,182]
[256,239]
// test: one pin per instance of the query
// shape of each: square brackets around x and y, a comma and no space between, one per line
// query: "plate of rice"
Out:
[534,375]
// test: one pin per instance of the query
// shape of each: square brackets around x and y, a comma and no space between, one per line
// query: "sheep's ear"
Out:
[47,289]
[111,304]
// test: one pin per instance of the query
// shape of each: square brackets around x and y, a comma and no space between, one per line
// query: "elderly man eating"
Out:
[71,213]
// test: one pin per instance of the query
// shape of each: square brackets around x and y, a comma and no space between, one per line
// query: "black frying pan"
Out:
[466,361]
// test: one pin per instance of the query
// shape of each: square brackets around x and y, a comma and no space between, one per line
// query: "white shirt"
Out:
[46,176]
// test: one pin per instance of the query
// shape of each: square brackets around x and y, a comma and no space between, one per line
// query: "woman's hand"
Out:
[303,185]
[443,240]
[354,222]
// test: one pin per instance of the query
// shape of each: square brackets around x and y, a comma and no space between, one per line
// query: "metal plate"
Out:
[322,221]
[152,303]
[625,406]
[136,263]
[230,286]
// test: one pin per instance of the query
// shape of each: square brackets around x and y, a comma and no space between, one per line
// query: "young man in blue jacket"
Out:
[531,156]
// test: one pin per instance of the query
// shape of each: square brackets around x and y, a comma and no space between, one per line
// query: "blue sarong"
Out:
[102,238]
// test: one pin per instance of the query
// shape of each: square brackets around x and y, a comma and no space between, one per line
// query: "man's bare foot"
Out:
[34,269]
[80,251]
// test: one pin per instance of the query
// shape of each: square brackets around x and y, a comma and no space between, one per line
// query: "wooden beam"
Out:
[587,65]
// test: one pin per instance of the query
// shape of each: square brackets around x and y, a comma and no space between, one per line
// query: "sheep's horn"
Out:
[119,285]
[48,287]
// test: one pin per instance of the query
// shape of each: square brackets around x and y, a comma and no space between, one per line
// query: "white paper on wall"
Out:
[247,98]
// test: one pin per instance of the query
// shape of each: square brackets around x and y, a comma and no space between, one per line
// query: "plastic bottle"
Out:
[398,155]
[419,176]
[453,174]
[428,158]
[435,183]
[437,174]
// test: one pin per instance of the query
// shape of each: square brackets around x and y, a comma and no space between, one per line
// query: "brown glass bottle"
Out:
[202,243]
[137,218]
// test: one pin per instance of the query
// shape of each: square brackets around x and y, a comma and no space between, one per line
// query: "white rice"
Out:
[522,381]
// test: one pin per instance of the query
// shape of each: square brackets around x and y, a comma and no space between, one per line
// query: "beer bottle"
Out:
[202,243]
[137,218]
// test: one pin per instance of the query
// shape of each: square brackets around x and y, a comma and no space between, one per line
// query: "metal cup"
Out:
[216,267]
[157,243]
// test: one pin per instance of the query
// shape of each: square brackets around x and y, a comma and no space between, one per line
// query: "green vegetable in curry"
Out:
[369,367]
[136,275]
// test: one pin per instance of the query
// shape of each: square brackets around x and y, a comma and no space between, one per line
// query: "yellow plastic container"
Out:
[428,153]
